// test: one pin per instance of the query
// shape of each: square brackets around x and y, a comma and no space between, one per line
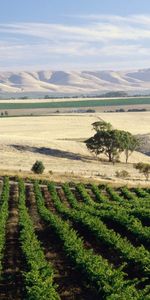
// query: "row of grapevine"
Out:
[119,215]
[107,280]
[85,220]
[118,200]
[141,193]
[4,212]
[133,198]
[125,249]
[39,275]
[133,208]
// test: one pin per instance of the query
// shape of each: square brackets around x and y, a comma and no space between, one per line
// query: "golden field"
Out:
[58,141]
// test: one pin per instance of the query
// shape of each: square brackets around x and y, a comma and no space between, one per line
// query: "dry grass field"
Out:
[58,142]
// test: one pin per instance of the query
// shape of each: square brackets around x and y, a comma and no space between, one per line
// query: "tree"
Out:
[111,142]
[105,141]
[128,142]
[38,167]
[143,168]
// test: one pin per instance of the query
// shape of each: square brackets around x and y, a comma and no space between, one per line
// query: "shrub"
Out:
[122,174]
[143,168]
[38,167]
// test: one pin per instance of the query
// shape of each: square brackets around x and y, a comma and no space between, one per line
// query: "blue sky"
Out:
[74,35]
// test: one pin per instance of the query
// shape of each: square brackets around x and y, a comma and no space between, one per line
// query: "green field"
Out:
[76,104]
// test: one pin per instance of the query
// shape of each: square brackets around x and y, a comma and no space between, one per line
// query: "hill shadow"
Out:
[51,152]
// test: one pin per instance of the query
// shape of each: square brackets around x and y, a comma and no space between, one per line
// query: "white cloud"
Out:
[105,28]
[139,19]
[106,38]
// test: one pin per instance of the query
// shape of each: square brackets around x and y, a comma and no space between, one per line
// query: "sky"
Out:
[74,35]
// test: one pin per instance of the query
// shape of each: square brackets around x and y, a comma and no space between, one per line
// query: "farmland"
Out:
[74,241]
[60,145]
[4,105]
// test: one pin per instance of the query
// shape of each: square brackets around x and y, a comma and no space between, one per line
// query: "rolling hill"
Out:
[137,81]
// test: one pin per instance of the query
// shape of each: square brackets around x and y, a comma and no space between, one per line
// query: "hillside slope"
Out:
[75,82]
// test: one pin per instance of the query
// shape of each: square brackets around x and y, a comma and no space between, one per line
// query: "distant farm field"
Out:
[75,104]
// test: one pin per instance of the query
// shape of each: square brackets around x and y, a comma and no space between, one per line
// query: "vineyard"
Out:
[73,241]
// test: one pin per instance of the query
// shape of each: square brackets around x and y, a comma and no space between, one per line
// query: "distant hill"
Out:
[144,143]
[76,81]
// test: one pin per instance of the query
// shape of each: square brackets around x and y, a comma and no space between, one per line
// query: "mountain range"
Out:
[137,81]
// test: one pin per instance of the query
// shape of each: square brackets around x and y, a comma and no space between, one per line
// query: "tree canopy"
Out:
[38,167]
[101,126]
[111,142]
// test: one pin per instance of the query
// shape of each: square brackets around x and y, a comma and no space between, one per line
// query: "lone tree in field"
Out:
[143,168]
[111,142]
[38,167]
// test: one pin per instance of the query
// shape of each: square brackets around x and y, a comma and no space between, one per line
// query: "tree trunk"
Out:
[127,155]
[110,156]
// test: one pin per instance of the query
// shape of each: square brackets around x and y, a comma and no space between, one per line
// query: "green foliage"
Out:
[96,269]
[141,192]
[39,275]
[97,207]
[117,213]
[106,142]
[111,142]
[136,207]
[128,142]
[38,167]
[3,217]
[113,195]
[143,168]
[101,126]
[139,256]
[98,194]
